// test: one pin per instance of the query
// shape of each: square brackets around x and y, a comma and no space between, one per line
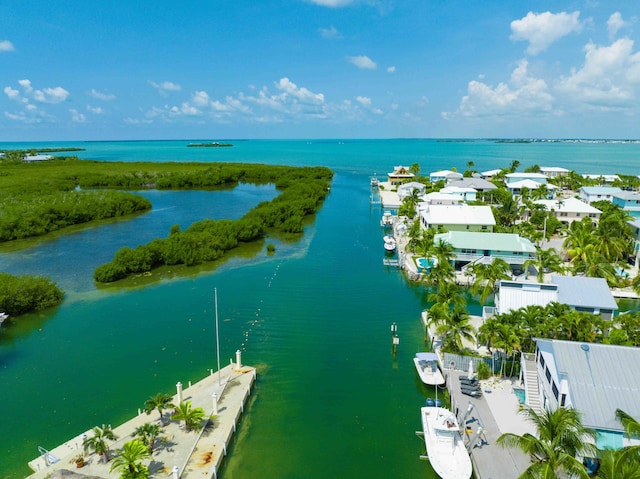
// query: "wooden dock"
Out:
[178,454]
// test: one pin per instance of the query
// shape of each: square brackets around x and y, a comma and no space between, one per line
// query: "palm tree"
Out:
[561,436]
[159,402]
[514,166]
[619,464]
[129,461]
[631,425]
[546,259]
[454,327]
[98,441]
[487,276]
[148,433]
[192,417]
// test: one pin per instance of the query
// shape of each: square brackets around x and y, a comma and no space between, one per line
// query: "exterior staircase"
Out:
[532,392]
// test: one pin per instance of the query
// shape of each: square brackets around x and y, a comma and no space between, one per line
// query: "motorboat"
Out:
[428,367]
[430,402]
[3,317]
[445,448]
[387,219]
[389,243]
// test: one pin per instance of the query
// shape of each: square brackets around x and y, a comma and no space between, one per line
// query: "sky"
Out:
[280,69]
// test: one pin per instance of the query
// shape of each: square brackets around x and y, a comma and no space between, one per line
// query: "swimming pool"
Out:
[426,263]
[520,394]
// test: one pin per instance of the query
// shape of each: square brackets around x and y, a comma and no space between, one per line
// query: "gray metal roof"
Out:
[584,291]
[602,378]
[476,183]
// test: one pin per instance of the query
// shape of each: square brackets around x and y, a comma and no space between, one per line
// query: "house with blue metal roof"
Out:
[628,201]
[589,194]
[595,379]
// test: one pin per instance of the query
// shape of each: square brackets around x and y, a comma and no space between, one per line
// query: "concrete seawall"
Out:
[177,453]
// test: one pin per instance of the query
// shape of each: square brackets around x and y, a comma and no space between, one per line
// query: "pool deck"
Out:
[194,454]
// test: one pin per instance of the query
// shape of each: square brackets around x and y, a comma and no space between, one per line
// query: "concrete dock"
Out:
[177,454]
[489,460]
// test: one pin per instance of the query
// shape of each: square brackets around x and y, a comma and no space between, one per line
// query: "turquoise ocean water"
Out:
[331,399]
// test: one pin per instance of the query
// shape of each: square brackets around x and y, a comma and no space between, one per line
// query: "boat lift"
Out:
[49,458]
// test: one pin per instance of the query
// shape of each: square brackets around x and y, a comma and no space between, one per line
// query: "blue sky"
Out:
[86,70]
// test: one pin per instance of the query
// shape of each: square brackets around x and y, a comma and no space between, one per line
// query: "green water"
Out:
[315,319]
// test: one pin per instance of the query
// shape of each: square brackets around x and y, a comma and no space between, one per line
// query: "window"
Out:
[563,400]
[563,213]
[467,226]
[542,361]
[554,388]
[547,374]
[485,227]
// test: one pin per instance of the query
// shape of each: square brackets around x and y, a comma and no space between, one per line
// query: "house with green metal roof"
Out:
[472,247]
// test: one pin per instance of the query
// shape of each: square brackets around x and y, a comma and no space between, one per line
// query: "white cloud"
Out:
[362,61]
[76,116]
[165,86]
[615,23]
[96,110]
[609,77]
[391,69]
[102,96]
[200,98]
[6,46]
[543,29]
[523,94]
[332,3]
[364,101]
[46,95]
[330,33]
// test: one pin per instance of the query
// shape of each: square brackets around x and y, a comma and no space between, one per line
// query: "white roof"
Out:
[526,175]
[593,176]
[442,173]
[531,184]
[412,185]
[459,215]
[436,195]
[490,172]
[556,169]
[457,189]
[515,295]
[568,205]
[584,291]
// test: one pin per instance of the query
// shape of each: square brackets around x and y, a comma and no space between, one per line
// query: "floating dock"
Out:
[177,454]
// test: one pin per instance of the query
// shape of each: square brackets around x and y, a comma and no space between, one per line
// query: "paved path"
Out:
[489,460]
[195,454]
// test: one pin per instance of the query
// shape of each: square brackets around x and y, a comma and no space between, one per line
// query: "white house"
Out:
[591,295]
[405,189]
[595,379]
[554,171]
[458,217]
[489,174]
[30,158]
[515,177]
[568,210]
[437,198]
[444,175]
[603,179]
[589,194]
[466,194]
[516,187]
[478,184]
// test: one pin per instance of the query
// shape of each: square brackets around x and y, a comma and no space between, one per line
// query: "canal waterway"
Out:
[314,318]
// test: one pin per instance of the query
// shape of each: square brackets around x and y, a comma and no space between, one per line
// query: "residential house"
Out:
[478,184]
[437,198]
[444,175]
[581,293]
[589,194]
[488,175]
[516,177]
[554,171]
[400,174]
[603,179]
[516,187]
[466,194]
[30,158]
[458,217]
[628,201]
[473,247]
[406,189]
[568,210]
[595,379]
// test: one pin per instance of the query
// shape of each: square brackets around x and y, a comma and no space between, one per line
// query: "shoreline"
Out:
[194,453]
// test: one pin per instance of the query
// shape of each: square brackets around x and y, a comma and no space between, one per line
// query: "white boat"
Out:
[3,317]
[428,367]
[387,219]
[446,450]
[389,243]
